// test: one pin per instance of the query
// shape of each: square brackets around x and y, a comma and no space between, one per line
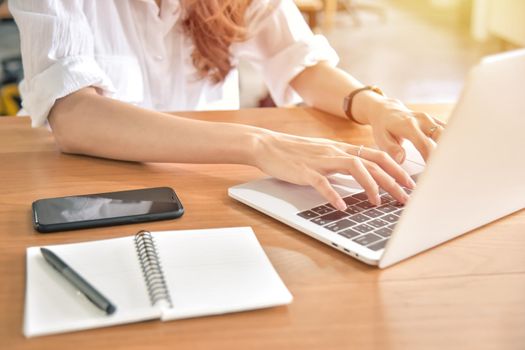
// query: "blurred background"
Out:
[416,50]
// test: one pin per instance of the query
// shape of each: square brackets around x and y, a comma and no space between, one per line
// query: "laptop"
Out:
[476,175]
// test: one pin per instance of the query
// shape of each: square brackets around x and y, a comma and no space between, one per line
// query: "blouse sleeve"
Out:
[281,45]
[57,54]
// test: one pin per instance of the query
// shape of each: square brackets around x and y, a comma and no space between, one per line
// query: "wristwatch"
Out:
[347,103]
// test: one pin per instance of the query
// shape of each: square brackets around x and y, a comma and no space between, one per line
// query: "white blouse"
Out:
[136,52]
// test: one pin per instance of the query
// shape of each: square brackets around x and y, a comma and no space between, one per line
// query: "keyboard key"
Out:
[407,190]
[398,212]
[358,218]
[349,233]
[328,218]
[384,232]
[321,210]
[353,210]
[363,228]
[320,221]
[390,218]
[387,208]
[329,206]
[350,201]
[360,196]
[378,245]
[392,226]
[340,225]
[365,205]
[373,213]
[367,239]
[377,223]
[308,214]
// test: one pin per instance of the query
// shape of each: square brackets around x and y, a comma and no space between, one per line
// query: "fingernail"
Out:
[340,204]
[411,184]
[377,200]
[399,157]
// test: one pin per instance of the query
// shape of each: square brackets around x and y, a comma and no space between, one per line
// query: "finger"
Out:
[421,142]
[389,166]
[391,145]
[435,134]
[429,125]
[386,181]
[439,122]
[413,133]
[321,184]
[357,169]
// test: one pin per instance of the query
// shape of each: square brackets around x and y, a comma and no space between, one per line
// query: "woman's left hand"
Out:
[325,87]
[395,122]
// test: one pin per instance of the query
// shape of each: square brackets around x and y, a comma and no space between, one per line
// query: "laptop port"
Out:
[335,244]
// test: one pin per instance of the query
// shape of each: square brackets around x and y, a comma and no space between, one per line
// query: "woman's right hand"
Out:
[308,161]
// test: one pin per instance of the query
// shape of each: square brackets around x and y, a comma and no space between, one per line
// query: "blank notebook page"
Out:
[213,272]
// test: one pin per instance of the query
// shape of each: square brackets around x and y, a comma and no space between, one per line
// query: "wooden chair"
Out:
[310,8]
[352,7]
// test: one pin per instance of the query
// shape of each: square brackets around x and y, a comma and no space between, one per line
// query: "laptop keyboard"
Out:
[361,222]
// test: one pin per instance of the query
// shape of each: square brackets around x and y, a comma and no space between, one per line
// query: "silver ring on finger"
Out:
[432,130]
[359,151]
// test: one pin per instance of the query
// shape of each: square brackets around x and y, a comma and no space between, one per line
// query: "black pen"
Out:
[75,279]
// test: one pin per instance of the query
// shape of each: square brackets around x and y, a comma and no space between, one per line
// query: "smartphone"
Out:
[105,209]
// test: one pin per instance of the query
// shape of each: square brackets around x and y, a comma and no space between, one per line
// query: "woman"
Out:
[100,72]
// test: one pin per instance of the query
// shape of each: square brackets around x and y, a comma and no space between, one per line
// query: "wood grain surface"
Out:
[466,294]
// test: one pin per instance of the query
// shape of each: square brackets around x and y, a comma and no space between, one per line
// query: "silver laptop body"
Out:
[475,176]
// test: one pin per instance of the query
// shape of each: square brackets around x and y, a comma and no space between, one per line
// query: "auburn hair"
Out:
[213,25]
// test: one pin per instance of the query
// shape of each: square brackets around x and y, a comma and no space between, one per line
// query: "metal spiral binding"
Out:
[151,268]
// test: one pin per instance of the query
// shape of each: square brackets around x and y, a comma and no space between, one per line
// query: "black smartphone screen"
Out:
[101,209]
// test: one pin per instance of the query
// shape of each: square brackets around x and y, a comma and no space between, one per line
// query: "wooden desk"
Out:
[466,294]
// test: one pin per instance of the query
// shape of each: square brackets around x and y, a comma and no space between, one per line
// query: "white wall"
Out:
[504,19]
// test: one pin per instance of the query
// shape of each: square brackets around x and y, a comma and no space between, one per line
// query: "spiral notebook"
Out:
[163,275]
